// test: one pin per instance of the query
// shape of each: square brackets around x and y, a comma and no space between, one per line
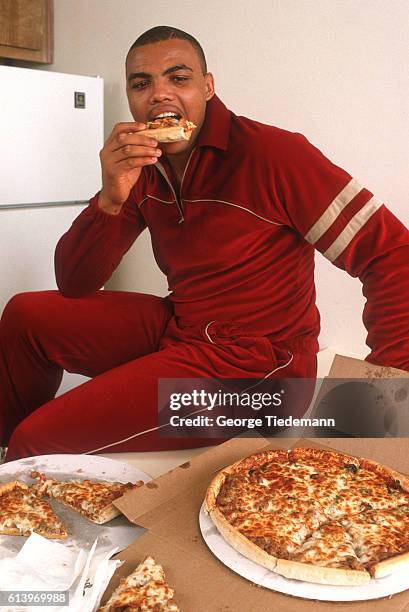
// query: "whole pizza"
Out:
[314,515]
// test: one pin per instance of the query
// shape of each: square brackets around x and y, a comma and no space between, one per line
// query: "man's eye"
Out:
[140,85]
[179,79]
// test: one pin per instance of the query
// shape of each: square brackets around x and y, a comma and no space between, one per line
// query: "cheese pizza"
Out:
[144,589]
[92,499]
[22,513]
[314,515]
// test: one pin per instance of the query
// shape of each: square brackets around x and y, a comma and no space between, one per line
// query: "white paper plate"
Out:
[118,532]
[383,587]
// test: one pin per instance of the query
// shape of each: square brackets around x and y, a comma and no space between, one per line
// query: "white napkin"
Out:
[44,565]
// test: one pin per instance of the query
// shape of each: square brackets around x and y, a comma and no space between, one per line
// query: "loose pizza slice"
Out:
[346,485]
[397,518]
[366,497]
[368,490]
[22,513]
[264,537]
[239,493]
[143,590]
[380,539]
[326,557]
[248,485]
[92,499]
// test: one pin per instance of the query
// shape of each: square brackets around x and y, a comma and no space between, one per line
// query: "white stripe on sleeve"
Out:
[333,211]
[351,230]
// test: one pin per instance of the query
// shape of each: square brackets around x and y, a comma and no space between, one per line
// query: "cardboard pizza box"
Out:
[349,367]
[365,400]
[168,508]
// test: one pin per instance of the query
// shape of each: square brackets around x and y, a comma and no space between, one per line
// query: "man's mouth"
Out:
[167,114]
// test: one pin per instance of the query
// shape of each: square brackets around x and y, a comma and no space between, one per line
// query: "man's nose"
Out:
[161,91]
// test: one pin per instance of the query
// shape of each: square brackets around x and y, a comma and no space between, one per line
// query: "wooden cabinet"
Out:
[26,30]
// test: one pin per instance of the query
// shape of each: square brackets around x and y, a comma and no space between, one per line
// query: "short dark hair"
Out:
[160,33]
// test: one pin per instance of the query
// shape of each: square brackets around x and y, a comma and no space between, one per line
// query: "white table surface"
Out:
[159,462]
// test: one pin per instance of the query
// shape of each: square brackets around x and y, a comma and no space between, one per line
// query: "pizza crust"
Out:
[213,489]
[242,465]
[385,471]
[253,461]
[320,574]
[104,515]
[388,566]
[304,454]
[167,134]
[240,543]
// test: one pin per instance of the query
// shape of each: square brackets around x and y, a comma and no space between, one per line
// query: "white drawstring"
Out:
[141,433]
[272,372]
[207,333]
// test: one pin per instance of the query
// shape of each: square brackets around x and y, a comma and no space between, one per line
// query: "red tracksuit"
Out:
[237,246]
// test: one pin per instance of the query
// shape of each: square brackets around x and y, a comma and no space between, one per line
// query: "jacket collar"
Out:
[216,126]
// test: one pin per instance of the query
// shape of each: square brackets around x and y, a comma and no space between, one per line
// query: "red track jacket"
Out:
[237,242]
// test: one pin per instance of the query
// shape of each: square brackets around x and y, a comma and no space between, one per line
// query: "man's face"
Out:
[167,77]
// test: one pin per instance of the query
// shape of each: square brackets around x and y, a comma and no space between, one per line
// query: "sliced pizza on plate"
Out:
[144,589]
[22,513]
[91,498]
[314,515]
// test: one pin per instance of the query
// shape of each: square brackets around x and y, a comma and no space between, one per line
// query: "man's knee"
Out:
[21,443]
[28,311]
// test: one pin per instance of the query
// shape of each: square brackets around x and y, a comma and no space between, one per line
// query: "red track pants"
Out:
[125,342]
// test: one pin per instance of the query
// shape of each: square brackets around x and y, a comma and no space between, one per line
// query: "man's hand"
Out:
[122,159]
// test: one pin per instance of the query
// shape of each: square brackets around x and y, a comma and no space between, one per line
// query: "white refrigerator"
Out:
[51,133]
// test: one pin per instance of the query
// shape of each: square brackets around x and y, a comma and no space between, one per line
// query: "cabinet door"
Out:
[26,30]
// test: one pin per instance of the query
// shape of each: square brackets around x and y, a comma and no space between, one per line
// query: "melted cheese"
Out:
[329,546]
[21,510]
[144,589]
[86,496]
[323,510]
[374,541]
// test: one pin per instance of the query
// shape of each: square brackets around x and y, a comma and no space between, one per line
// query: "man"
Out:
[234,215]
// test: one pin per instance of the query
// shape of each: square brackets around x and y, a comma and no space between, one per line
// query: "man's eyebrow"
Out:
[177,67]
[146,75]
[138,75]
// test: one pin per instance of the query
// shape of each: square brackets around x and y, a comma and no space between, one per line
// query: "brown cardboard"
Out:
[347,367]
[169,508]
[178,480]
[387,417]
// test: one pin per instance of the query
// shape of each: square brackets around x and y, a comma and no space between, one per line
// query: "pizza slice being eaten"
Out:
[144,589]
[22,512]
[92,499]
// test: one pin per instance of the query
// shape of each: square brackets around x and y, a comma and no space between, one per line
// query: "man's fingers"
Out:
[128,126]
[122,165]
[137,162]
[124,128]
[134,151]
[125,138]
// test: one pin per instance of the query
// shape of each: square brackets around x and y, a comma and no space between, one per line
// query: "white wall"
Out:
[335,70]
[28,240]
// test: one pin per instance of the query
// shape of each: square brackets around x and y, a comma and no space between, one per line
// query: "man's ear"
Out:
[209,86]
